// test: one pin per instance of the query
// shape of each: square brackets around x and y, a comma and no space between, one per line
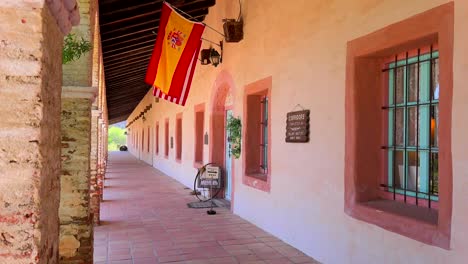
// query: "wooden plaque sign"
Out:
[297,126]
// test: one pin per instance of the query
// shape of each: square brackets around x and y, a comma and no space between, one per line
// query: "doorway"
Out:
[221,107]
[227,161]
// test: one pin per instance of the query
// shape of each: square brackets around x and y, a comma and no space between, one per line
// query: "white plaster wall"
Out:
[302,45]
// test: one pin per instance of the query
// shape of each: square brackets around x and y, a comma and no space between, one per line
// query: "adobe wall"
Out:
[30,88]
[302,46]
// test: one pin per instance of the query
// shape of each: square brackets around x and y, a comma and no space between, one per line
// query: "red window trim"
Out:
[435,25]
[199,108]
[166,138]
[148,138]
[178,138]
[258,181]
[156,139]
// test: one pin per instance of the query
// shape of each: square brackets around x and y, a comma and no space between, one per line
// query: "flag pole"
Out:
[208,26]
[204,39]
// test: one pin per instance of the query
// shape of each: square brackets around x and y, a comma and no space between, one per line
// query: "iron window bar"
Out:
[404,65]
[405,106]
[395,90]
[430,138]
[264,140]
[417,129]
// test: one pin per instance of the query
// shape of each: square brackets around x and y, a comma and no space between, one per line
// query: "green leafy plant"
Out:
[234,128]
[73,48]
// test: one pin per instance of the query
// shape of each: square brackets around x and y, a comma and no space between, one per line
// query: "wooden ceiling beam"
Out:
[106,10]
[129,65]
[123,78]
[148,29]
[131,41]
[128,33]
[110,38]
[131,60]
[145,48]
[132,46]
[130,72]
[143,20]
[129,68]
[127,56]
[126,90]
[146,13]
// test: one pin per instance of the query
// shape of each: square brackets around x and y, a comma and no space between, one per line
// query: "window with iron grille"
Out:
[142,139]
[157,138]
[264,136]
[148,141]
[413,124]
[178,138]
[166,138]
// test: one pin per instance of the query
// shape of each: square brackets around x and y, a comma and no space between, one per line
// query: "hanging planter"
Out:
[73,48]
[234,128]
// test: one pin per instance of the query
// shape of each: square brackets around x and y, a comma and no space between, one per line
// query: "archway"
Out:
[222,102]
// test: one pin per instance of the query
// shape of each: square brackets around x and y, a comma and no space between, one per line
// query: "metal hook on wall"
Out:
[298,106]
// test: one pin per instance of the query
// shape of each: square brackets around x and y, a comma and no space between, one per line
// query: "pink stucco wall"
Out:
[303,47]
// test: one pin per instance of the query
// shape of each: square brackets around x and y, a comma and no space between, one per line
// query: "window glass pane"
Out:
[413,163]
[400,84]
[399,127]
[412,126]
[424,80]
[435,173]
[399,169]
[435,126]
[424,126]
[435,79]
[413,82]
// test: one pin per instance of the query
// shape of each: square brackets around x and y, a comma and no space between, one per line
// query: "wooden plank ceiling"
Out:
[128,33]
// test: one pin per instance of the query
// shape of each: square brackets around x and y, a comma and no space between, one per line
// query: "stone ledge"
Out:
[96,113]
[89,92]
[66,13]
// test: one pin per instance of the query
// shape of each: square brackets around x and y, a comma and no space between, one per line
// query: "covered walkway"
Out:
[145,219]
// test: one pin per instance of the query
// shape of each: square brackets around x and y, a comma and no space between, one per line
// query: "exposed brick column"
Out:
[30,86]
[76,228]
[94,187]
[102,158]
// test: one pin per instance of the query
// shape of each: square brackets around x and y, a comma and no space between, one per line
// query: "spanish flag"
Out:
[174,57]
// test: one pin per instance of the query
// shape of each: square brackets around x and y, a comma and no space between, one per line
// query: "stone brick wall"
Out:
[30,85]
[76,230]
[78,73]
[94,187]
[79,207]
[97,81]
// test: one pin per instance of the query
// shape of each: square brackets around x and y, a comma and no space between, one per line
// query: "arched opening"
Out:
[222,105]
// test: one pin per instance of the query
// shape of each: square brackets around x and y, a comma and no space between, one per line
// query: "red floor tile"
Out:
[145,219]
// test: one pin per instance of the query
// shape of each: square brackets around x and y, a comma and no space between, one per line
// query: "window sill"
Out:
[258,181]
[259,176]
[418,223]
[421,214]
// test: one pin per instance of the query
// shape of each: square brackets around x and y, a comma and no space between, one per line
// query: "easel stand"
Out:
[211,211]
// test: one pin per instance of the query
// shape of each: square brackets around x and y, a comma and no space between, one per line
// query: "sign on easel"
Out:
[297,126]
[211,178]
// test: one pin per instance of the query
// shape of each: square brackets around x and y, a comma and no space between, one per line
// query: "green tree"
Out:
[116,138]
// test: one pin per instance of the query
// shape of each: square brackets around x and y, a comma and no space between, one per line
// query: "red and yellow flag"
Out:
[174,56]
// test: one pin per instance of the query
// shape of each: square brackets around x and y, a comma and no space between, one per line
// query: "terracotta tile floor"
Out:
[145,219]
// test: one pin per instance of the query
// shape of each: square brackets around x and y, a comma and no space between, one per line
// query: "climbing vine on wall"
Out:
[234,127]
[74,48]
